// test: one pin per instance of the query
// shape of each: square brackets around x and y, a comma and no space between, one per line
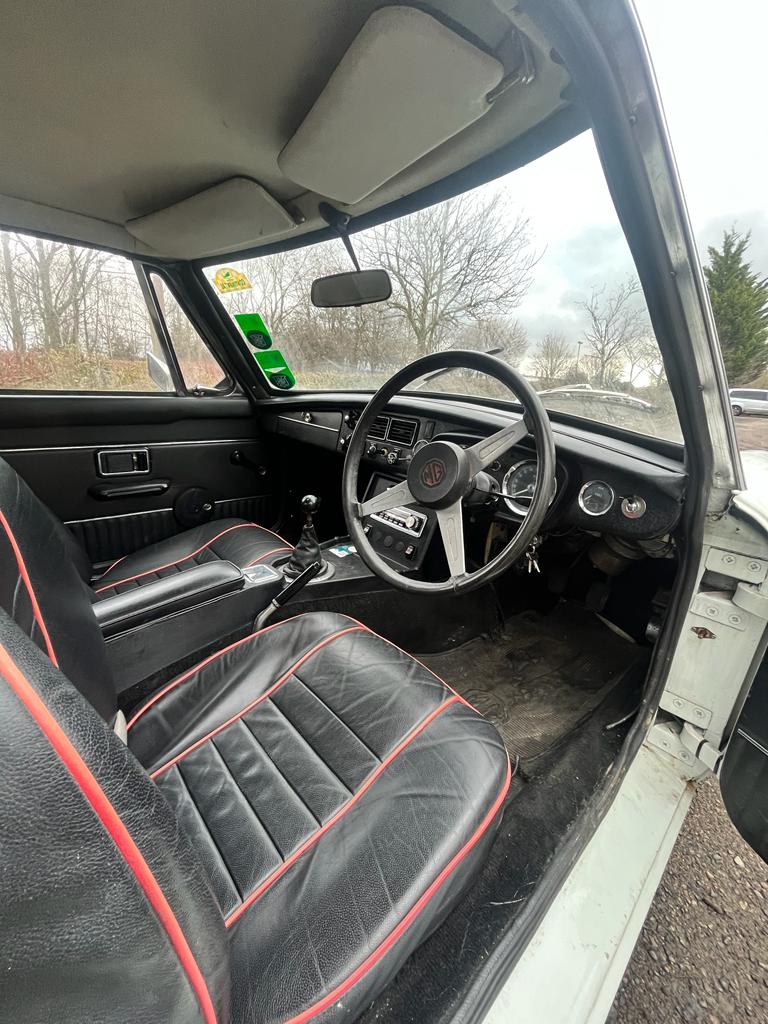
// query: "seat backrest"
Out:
[43,590]
[104,911]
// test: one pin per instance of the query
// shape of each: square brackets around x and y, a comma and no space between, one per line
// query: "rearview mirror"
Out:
[356,288]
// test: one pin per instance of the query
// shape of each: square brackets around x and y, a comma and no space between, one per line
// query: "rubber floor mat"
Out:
[539,678]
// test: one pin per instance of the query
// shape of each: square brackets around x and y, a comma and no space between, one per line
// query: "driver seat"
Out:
[288,821]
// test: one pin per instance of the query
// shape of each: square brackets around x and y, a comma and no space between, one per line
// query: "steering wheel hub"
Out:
[439,474]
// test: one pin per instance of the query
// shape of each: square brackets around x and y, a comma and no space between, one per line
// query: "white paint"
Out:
[575,961]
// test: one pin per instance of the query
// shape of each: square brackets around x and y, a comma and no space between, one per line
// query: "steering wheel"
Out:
[442,474]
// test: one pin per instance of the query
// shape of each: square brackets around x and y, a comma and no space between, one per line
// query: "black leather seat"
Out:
[289,820]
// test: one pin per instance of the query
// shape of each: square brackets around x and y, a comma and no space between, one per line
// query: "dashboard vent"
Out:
[402,431]
[378,428]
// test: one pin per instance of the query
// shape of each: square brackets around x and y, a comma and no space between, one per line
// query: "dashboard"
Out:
[604,485]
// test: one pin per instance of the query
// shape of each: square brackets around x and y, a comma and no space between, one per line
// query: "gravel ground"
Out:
[752,431]
[702,957]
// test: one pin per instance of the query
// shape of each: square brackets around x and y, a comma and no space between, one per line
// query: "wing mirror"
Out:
[159,373]
[355,288]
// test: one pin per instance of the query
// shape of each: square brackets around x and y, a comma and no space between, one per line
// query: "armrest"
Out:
[165,596]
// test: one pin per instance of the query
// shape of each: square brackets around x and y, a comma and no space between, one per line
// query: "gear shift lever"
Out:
[307,550]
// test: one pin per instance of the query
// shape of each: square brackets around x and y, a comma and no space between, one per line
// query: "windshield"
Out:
[532,267]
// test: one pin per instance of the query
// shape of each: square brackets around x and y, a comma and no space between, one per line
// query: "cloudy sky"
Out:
[710,60]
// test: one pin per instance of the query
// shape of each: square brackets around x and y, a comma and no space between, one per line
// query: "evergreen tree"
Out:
[740,304]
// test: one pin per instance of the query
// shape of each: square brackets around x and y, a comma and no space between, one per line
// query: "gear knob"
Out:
[310,503]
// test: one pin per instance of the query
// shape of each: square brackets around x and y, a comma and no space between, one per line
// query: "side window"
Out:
[71,319]
[198,366]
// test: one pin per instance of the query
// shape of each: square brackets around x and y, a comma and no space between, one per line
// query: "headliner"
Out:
[113,110]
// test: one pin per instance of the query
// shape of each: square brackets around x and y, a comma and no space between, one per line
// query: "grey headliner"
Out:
[114,109]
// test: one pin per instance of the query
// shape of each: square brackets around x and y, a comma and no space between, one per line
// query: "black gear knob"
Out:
[307,550]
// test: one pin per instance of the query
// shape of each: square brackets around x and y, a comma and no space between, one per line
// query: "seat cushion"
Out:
[233,540]
[340,797]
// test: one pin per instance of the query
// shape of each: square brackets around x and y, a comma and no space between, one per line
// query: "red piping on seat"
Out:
[113,824]
[273,877]
[267,554]
[109,568]
[196,668]
[415,910]
[30,589]
[258,700]
[158,568]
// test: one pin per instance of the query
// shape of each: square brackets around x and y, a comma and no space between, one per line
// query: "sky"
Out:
[710,63]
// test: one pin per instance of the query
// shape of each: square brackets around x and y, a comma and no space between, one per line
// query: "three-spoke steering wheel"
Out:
[442,474]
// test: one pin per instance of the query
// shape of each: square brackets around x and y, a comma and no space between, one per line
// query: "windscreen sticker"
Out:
[254,329]
[227,279]
[275,369]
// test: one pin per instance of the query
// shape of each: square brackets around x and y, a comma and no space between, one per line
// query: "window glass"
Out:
[71,319]
[197,363]
[533,267]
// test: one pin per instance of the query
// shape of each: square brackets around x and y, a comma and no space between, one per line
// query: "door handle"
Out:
[108,492]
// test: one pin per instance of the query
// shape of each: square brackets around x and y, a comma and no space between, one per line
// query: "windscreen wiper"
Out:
[447,369]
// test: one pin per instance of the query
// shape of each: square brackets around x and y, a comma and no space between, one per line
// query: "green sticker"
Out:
[275,369]
[254,329]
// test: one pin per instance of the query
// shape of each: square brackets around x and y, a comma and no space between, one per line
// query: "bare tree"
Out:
[616,320]
[553,359]
[280,288]
[508,339]
[10,301]
[465,261]
[635,358]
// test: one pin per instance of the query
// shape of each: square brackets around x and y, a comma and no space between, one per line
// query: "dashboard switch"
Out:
[634,507]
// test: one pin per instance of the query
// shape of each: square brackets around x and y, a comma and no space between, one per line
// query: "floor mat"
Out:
[542,676]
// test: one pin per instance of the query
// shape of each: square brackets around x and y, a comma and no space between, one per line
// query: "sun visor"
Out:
[229,216]
[406,84]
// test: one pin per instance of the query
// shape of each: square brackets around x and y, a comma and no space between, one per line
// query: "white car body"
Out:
[749,400]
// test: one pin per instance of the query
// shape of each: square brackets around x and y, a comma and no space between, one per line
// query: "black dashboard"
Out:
[604,485]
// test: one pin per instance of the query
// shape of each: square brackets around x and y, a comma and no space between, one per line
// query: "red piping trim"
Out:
[284,541]
[206,661]
[425,667]
[404,923]
[116,562]
[30,589]
[258,700]
[267,554]
[252,897]
[146,572]
[113,824]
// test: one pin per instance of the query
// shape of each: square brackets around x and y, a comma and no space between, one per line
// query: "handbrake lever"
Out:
[291,590]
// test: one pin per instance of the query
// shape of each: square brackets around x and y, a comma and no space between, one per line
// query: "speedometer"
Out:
[518,486]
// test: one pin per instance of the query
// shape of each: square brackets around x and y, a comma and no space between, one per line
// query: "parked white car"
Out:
[749,400]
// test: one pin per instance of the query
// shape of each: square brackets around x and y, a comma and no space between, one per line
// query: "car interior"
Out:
[307,685]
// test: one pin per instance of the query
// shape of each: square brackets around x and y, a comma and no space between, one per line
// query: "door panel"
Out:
[215,445]
[744,771]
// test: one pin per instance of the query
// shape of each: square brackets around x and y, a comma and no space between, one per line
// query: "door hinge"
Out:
[693,740]
[685,743]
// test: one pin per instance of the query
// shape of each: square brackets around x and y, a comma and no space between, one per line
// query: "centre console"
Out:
[401,535]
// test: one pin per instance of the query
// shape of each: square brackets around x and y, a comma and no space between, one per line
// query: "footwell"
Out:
[541,676]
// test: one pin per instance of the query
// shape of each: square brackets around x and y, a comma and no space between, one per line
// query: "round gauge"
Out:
[519,483]
[596,498]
